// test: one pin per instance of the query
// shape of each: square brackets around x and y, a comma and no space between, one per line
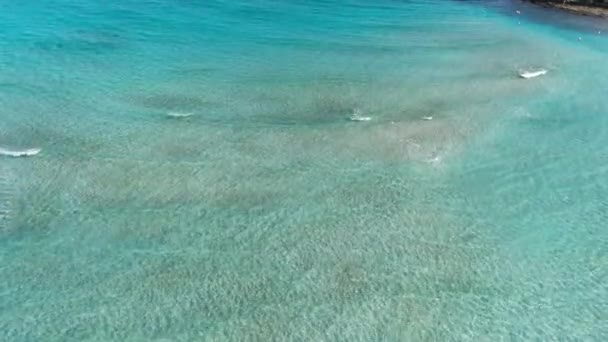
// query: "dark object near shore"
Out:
[584,7]
[600,3]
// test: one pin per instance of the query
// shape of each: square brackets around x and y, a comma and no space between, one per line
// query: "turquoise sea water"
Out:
[268,215]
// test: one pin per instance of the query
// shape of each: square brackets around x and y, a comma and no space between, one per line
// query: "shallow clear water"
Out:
[262,212]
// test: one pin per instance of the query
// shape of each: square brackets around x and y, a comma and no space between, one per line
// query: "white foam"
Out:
[19,153]
[427,118]
[179,115]
[434,160]
[532,74]
[359,118]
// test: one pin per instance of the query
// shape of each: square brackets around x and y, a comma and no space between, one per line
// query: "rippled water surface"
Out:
[302,171]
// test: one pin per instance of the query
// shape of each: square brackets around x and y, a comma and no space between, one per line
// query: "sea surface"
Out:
[302,170]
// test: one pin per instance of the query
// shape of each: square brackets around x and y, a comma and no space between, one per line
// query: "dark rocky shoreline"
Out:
[589,9]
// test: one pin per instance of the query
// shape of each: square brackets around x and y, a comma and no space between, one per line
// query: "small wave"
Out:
[359,118]
[427,118]
[19,153]
[434,160]
[532,74]
[179,115]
